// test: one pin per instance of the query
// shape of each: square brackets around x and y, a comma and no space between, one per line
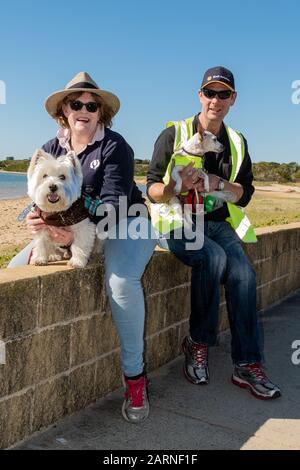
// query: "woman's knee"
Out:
[122,287]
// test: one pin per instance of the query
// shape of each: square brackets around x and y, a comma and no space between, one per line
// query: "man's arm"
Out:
[245,179]
[242,189]
[157,191]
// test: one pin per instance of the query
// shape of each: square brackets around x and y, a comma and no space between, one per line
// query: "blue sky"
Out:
[152,54]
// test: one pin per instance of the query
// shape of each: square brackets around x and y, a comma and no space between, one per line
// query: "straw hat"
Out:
[84,83]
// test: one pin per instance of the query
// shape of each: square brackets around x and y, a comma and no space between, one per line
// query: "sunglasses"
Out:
[222,95]
[91,106]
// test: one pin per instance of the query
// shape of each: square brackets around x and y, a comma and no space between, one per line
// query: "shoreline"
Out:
[13,172]
[16,198]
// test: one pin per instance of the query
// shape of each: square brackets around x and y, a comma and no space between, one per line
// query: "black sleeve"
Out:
[163,150]
[245,178]
[118,176]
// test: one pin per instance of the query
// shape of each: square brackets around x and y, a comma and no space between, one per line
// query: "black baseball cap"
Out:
[218,75]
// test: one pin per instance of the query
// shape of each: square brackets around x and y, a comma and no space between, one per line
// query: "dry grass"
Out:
[267,209]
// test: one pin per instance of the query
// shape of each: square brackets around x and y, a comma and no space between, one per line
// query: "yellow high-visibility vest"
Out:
[237,217]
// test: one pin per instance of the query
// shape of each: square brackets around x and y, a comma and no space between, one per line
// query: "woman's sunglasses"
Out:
[222,95]
[91,106]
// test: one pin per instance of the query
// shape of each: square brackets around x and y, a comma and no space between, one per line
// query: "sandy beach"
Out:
[12,232]
[15,233]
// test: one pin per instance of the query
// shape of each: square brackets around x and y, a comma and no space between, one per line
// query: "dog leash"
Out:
[24,212]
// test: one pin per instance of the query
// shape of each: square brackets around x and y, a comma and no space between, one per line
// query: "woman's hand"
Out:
[61,235]
[34,223]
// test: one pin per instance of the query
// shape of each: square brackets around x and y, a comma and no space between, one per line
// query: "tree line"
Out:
[262,171]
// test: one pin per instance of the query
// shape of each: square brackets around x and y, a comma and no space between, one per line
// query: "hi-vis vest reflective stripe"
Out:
[237,217]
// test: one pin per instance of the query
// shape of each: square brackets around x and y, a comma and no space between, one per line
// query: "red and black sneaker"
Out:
[254,378]
[136,404]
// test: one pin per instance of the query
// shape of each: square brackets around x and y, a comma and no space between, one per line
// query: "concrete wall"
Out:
[61,345]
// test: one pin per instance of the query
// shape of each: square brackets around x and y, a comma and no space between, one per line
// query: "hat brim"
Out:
[217,81]
[110,99]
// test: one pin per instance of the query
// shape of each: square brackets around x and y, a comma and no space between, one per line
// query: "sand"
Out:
[12,232]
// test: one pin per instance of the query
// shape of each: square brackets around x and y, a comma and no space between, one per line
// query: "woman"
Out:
[84,113]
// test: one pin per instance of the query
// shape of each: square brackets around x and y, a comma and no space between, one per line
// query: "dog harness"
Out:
[75,214]
[166,220]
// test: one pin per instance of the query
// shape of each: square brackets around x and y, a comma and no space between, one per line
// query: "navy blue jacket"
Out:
[108,169]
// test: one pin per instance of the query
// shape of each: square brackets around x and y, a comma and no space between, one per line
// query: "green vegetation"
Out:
[263,171]
[276,172]
[7,253]
[14,165]
[141,167]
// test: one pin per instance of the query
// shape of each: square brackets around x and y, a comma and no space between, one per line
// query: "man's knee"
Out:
[216,259]
[242,271]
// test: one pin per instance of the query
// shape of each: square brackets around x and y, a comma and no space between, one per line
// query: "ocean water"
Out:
[12,185]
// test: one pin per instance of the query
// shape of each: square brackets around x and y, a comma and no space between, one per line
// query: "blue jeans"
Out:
[125,262]
[222,260]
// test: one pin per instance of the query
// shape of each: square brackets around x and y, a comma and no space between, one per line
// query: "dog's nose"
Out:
[53,188]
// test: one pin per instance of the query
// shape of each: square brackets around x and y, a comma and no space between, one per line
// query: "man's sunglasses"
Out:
[91,106]
[222,95]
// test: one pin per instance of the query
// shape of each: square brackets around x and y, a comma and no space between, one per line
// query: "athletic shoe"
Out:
[196,361]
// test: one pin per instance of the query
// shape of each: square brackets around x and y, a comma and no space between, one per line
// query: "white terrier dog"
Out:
[54,185]
[197,145]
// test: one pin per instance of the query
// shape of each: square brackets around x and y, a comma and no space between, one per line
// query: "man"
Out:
[221,260]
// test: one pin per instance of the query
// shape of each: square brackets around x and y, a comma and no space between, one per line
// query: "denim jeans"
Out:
[222,260]
[125,262]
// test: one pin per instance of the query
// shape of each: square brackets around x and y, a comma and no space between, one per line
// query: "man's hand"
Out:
[213,182]
[190,178]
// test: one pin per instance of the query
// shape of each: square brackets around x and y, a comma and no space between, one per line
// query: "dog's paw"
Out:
[55,257]
[39,262]
[67,255]
[77,263]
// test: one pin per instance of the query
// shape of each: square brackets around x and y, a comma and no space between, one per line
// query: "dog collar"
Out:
[75,214]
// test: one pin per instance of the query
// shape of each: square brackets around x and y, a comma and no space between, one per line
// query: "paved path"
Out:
[184,416]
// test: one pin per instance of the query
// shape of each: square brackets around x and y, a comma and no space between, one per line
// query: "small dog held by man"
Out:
[54,185]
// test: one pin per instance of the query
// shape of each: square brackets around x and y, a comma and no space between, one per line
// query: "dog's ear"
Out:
[74,161]
[38,154]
